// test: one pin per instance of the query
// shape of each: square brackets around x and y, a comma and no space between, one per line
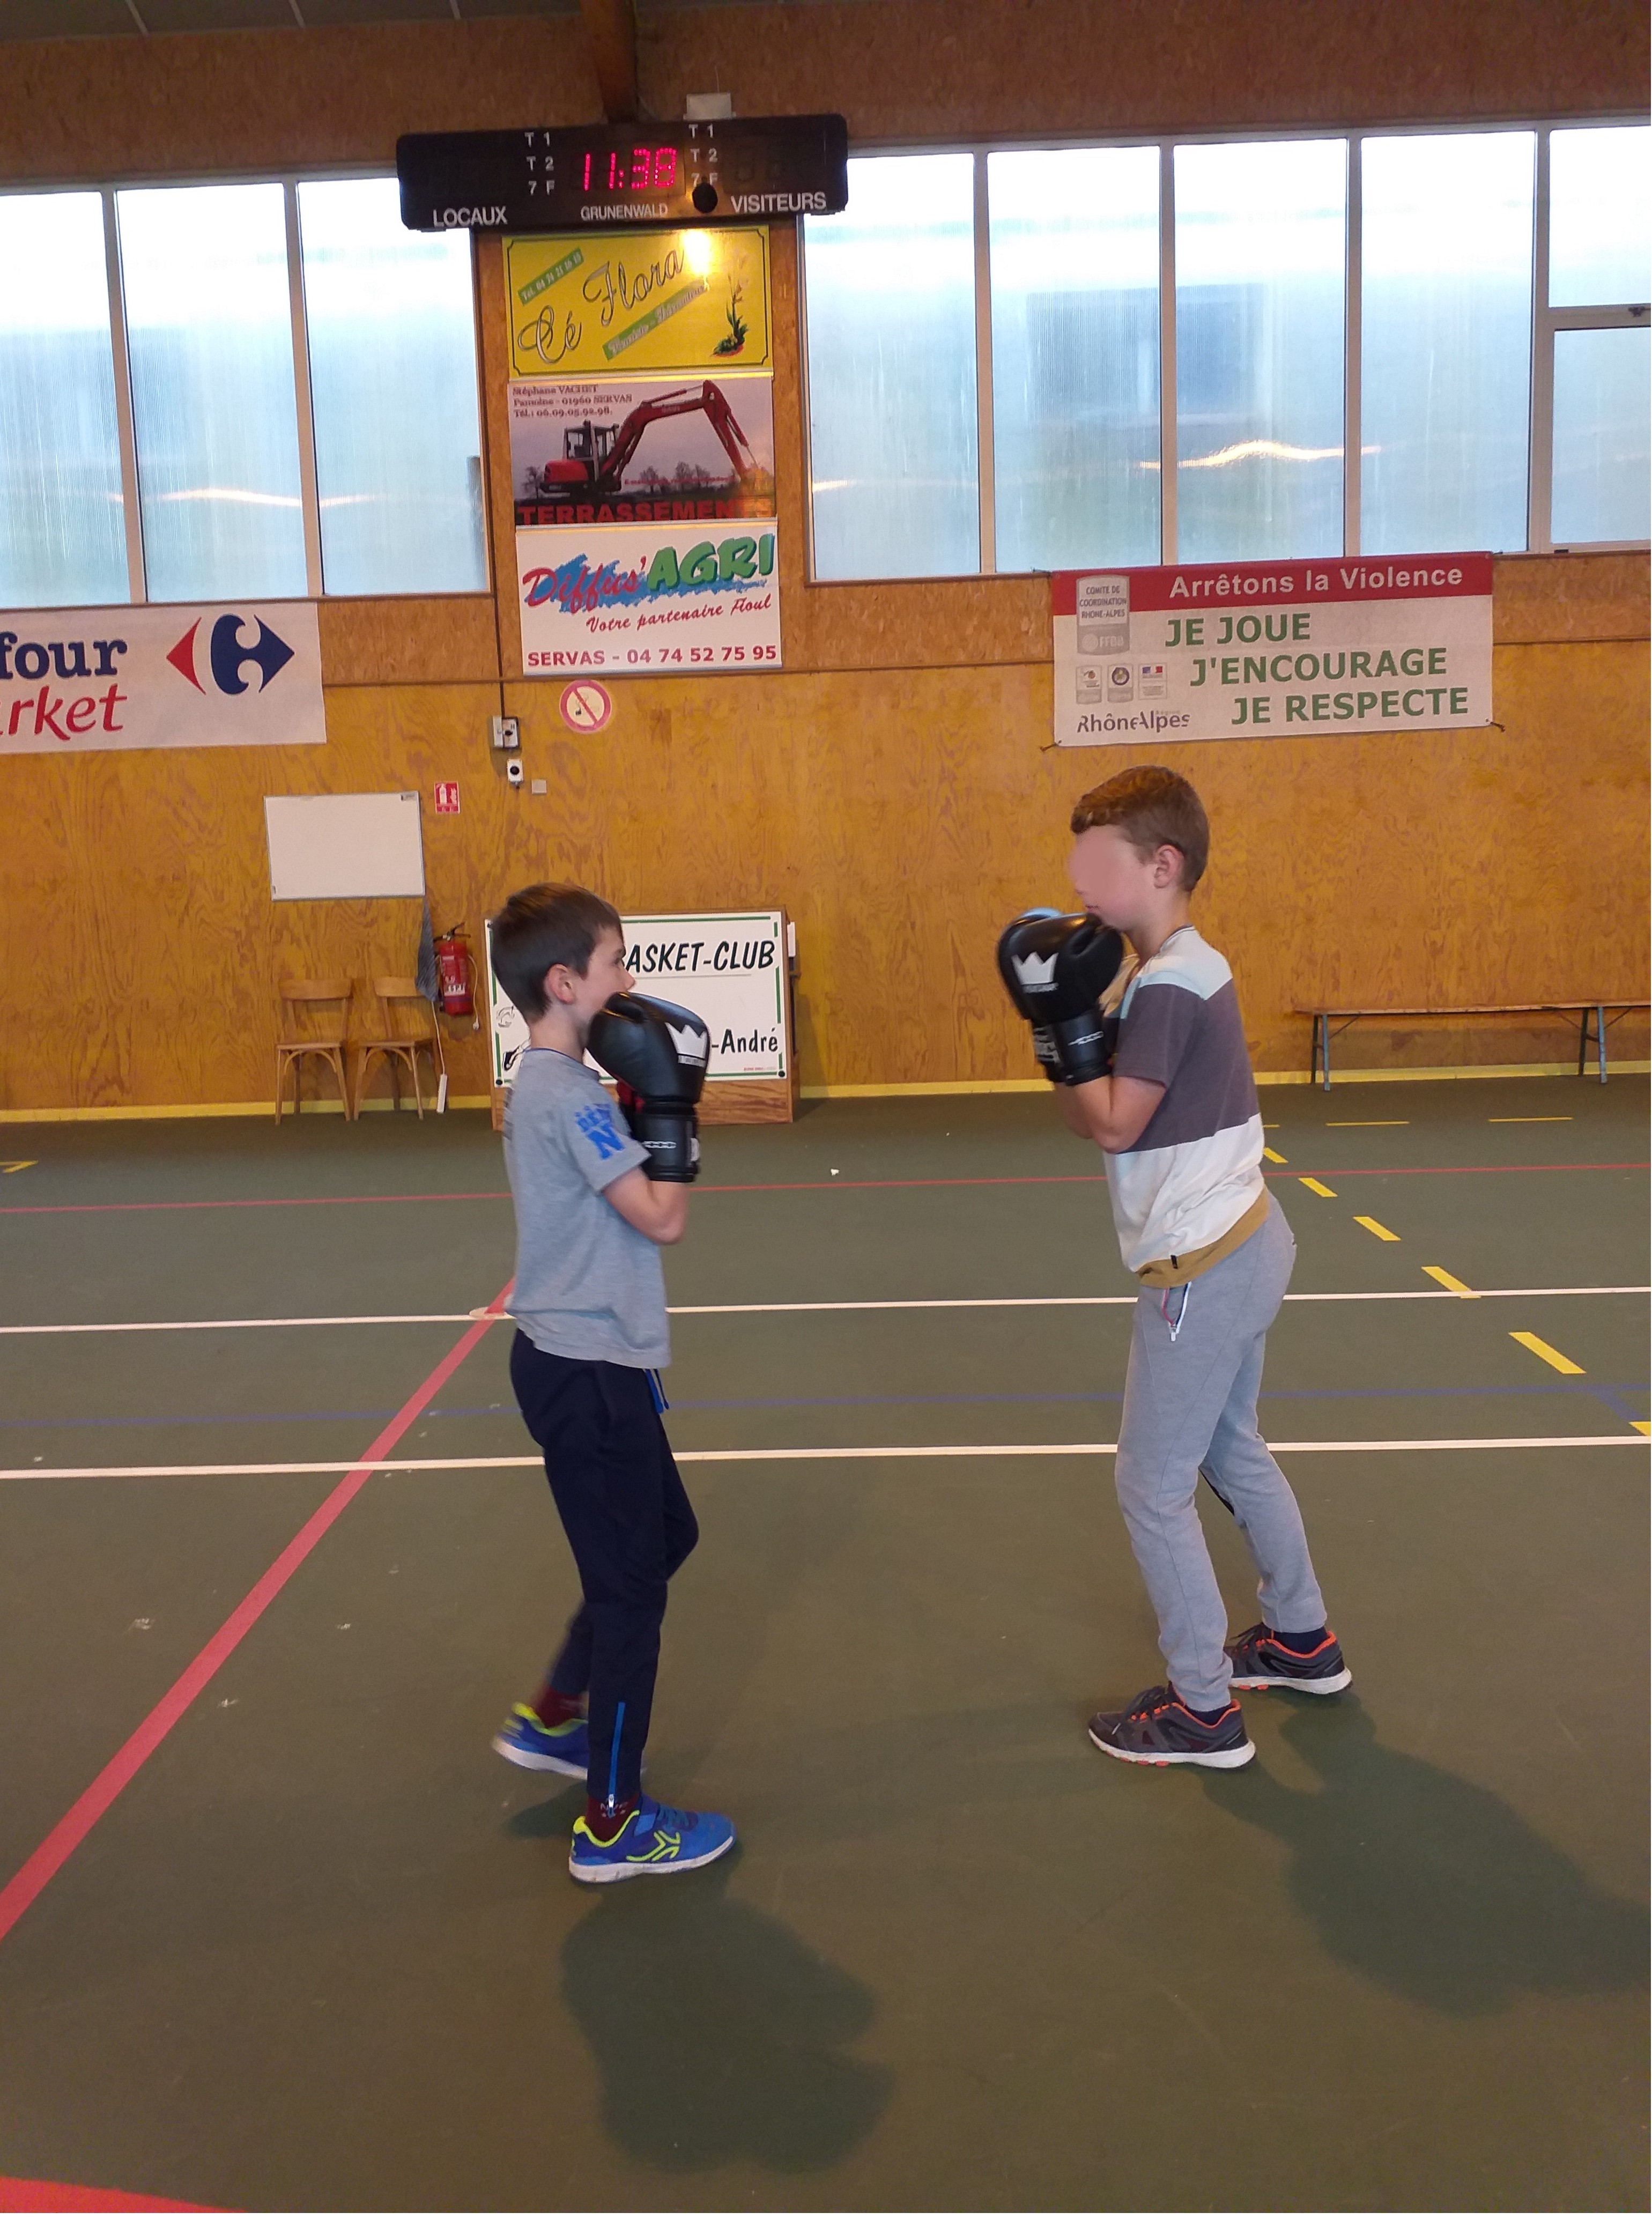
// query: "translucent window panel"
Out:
[210,331]
[891,286]
[1261,250]
[1599,217]
[1603,455]
[1075,356]
[1446,322]
[393,391]
[62,520]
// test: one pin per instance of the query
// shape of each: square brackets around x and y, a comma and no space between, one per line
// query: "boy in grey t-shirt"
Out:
[588,1299]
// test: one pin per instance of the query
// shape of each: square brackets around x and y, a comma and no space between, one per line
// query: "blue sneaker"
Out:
[655,1839]
[526,1740]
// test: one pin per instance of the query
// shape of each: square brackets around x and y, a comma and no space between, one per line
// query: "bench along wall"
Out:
[891,787]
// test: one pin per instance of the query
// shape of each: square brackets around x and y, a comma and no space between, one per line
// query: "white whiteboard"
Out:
[333,847]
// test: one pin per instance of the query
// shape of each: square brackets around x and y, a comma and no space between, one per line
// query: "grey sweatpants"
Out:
[1190,1402]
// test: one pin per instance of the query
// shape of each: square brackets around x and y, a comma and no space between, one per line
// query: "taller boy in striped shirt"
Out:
[1178,1119]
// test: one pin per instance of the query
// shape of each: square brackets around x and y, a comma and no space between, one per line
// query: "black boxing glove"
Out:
[656,1052]
[1056,969]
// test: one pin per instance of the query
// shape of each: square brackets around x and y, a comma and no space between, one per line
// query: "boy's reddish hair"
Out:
[1153,807]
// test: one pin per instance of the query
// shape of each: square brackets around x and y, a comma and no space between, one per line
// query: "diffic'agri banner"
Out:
[73,680]
[627,599]
[1263,650]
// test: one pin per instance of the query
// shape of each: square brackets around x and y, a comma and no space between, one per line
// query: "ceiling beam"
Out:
[611,34]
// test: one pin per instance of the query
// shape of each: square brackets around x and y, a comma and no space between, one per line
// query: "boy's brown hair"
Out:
[1153,807]
[541,926]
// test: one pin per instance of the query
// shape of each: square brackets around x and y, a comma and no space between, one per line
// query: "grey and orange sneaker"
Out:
[1260,1659]
[1158,1728]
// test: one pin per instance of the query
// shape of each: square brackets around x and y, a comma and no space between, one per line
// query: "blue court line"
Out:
[1611,1392]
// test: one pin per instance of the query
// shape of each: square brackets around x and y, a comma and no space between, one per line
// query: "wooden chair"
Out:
[405,1034]
[301,999]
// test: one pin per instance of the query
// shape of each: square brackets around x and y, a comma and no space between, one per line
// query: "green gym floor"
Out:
[286,1934]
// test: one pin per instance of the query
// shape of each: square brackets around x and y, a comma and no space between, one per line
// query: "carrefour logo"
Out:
[226,655]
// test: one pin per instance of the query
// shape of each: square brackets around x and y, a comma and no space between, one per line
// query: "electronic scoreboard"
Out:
[725,171]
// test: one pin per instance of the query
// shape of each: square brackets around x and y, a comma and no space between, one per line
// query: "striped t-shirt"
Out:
[1195,1171]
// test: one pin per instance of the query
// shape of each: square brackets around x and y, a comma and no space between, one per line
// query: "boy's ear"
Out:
[559,984]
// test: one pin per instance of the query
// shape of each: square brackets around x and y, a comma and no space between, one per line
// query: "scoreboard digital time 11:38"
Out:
[725,171]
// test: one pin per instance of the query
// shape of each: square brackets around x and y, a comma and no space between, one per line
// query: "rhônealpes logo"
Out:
[226,654]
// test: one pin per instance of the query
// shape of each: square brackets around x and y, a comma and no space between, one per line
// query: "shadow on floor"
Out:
[1427,1885]
[718,2035]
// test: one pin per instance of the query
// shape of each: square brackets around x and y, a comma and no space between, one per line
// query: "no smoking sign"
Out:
[586,707]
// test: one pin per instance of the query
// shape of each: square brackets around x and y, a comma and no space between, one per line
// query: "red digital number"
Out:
[616,175]
[664,169]
[588,174]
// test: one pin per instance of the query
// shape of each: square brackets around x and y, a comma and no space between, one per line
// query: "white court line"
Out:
[793,1456]
[765,1310]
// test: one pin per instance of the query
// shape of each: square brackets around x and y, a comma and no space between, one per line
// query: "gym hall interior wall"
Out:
[890,787]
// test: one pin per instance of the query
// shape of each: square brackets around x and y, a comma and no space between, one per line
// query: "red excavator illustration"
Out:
[596,455]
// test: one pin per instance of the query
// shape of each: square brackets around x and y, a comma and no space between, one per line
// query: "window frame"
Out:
[1545,321]
[310,494]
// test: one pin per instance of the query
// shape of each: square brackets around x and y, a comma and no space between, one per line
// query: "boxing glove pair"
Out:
[657,1052]
[1056,969]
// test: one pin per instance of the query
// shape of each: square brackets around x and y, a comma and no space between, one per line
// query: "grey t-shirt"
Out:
[588,1285]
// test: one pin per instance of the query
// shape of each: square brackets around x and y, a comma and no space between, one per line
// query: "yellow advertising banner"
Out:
[689,300]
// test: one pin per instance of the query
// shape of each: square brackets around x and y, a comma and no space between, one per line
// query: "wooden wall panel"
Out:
[137,935]
[893,787]
[899,70]
[901,817]
[923,68]
[406,640]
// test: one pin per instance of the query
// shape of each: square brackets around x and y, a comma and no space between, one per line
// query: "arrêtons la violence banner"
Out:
[1262,650]
[638,598]
[73,680]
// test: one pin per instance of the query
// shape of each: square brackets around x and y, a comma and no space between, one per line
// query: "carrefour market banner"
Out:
[689,598]
[167,676]
[1263,650]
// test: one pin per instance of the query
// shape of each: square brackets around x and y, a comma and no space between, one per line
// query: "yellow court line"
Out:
[1274,1156]
[1317,1187]
[1348,1124]
[1456,1287]
[1564,1121]
[21,1164]
[1642,1426]
[1542,1348]
[1381,1231]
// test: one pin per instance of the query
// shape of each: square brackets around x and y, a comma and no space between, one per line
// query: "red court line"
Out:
[18,2195]
[88,1807]
[814,1187]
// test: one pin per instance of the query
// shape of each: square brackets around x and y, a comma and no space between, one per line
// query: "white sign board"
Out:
[162,676]
[626,600]
[344,847]
[727,966]
[1272,650]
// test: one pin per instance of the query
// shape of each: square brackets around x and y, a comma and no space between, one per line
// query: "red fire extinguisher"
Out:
[457,973]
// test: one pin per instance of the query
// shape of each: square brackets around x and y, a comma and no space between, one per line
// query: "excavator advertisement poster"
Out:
[591,451]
